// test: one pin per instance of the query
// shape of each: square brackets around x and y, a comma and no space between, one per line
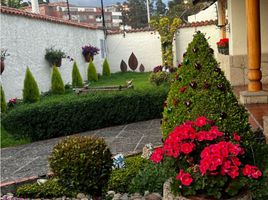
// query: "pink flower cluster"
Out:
[220,157]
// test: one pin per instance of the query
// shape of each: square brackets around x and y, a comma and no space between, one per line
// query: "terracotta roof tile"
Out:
[13,11]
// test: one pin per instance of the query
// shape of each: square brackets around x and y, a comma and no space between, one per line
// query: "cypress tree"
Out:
[201,89]
[106,68]
[3,101]
[30,90]
[57,85]
[91,72]
[77,80]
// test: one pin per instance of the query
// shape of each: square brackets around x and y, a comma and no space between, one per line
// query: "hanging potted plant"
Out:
[54,56]
[4,54]
[89,52]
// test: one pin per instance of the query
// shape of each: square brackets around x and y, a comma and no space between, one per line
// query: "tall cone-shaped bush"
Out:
[3,101]
[106,68]
[30,90]
[201,89]
[57,85]
[91,72]
[77,80]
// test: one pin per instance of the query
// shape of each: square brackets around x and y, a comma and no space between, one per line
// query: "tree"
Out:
[12,3]
[91,72]
[57,85]
[3,100]
[201,89]
[106,68]
[30,90]
[77,80]
[166,29]
[160,8]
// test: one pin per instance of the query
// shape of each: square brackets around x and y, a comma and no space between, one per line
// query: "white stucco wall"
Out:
[145,45]
[208,14]
[185,35]
[237,20]
[26,40]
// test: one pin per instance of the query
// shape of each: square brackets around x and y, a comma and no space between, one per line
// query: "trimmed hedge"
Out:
[71,114]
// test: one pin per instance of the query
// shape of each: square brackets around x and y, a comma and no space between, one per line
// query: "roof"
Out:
[18,12]
[188,25]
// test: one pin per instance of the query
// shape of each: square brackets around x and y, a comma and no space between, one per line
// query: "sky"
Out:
[95,2]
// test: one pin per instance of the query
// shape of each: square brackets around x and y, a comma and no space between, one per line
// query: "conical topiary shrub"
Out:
[91,72]
[77,80]
[201,89]
[106,68]
[30,90]
[3,101]
[57,85]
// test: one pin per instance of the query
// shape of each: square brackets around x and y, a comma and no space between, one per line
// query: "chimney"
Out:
[35,6]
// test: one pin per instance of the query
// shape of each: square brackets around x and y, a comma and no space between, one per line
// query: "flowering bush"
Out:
[207,160]
[223,46]
[90,50]
[12,102]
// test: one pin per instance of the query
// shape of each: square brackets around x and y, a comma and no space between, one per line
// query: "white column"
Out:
[35,6]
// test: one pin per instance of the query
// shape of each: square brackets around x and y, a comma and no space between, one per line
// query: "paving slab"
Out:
[31,159]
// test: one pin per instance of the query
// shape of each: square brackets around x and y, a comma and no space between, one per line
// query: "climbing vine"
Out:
[166,29]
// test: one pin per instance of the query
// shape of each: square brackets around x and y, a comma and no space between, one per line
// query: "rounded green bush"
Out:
[106,68]
[3,101]
[82,163]
[49,189]
[77,80]
[201,89]
[30,90]
[120,178]
[159,78]
[57,85]
[91,72]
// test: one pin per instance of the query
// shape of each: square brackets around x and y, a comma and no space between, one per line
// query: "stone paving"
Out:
[31,159]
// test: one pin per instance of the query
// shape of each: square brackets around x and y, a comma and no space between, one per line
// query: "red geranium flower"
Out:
[185,178]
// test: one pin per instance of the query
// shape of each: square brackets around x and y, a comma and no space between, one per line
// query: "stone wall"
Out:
[235,68]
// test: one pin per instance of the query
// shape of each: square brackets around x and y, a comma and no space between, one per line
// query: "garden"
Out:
[209,150]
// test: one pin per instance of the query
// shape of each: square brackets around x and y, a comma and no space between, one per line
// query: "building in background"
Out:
[89,15]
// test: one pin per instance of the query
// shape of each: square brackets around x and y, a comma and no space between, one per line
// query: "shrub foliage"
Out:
[82,163]
[57,85]
[30,90]
[72,114]
[3,101]
[77,80]
[91,72]
[50,189]
[201,89]
[106,68]
[120,178]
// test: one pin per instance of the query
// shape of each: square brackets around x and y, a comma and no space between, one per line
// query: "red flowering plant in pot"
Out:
[223,46]
[89,52]
[207,162]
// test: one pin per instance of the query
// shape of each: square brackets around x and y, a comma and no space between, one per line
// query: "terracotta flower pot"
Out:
[88,57]
[2,66]
[56,62]
[168,195]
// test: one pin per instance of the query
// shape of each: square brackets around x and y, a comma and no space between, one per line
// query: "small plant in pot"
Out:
[89,52]
[4,54]
[54,56]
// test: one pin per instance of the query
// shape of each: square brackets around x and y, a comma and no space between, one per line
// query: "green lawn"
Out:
[8,140]
[140,82]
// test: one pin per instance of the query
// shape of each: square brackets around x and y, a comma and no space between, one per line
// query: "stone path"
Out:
[31,159]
